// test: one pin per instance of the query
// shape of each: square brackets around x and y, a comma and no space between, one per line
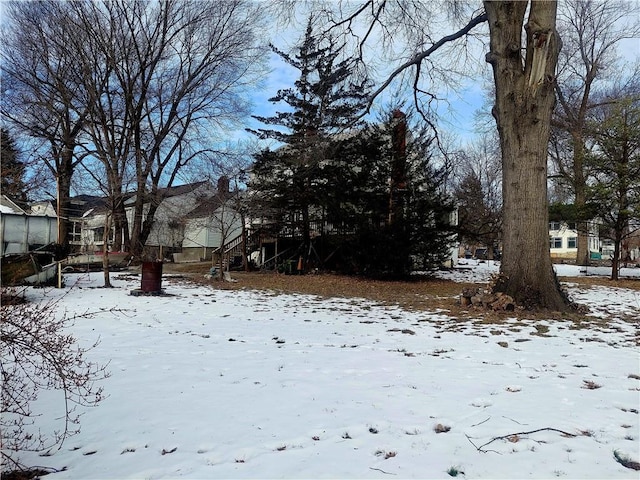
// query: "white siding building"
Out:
[563,240]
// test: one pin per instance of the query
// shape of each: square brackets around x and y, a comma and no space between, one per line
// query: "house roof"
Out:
[209,205]
[9,206]
[205,207]
[180,189]
[174,191]
[83,203]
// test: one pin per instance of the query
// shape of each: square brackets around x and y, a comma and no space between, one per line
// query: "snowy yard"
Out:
[244,384]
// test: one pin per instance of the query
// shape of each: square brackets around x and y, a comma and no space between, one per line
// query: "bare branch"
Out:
[417,59]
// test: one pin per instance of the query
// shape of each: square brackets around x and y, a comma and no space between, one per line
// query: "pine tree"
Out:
[12,169]
[388,202]
[290,183]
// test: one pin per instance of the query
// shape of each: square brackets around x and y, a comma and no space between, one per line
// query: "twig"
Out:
[478,448]
[379,470]
[508,418]
[502,437]
[484,421]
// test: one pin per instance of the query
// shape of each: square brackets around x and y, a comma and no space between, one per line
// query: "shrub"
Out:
[38,354]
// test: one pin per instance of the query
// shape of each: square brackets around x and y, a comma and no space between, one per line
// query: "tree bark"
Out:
[580,187]
[523,106]
[105,251]
[64,168]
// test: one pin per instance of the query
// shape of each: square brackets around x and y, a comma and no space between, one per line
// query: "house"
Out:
[87,215]
[563,240]
[629,245]
[213,224]
[168,230]
[191,222]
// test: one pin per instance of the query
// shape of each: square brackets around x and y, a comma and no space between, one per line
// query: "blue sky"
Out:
[457,113]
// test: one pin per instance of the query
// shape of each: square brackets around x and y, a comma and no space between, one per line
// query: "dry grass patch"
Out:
[419,293]
[631,283]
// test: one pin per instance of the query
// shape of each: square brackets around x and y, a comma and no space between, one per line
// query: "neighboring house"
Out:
[43,208]
[213,224]
[629,247]
[22,230]
[191,222]
[167,232]
[87,215]
[563,240]
[208,228]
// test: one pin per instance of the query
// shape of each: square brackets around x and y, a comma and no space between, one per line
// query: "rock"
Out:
[503,302]
[469,292]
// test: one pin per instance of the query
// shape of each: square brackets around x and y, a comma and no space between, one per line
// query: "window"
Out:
[555,242]
[572,242]
[554,225]
[572,226]
[75,235]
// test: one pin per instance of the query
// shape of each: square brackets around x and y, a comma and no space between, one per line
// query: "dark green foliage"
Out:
[289,183]
[397,226]
[570,212]
[364,200]
[12,169]
[324,99]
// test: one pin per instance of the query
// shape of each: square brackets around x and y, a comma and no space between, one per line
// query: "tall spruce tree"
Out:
[388,202]
[290,182]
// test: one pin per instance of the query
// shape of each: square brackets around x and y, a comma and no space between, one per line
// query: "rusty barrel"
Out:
[151,277]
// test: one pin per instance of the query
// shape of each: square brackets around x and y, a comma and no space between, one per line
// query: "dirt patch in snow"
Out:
[421,292]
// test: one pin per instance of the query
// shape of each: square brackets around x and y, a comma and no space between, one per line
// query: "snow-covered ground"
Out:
[243,384]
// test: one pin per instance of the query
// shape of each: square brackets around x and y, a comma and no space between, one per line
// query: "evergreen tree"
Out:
[12,169]
[388,201]
[290,183]
[616,165]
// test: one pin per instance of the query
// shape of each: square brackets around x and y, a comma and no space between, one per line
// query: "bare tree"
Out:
[479,194]
[178,69]
[40,92]
[39,354]
[144,87]
[592,32]
[524,76]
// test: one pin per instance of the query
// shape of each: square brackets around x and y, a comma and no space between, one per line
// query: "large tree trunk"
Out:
[105,251]
[580,188]
[523,106]
[64,172]
[121,226]
[615,261]
[137,244]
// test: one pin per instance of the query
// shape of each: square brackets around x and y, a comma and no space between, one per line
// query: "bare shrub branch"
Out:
[39,354]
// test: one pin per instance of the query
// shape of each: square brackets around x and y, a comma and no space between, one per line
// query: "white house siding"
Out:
[90,242]
[563,240]
[169,220]
[204,234]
